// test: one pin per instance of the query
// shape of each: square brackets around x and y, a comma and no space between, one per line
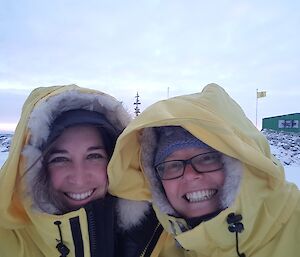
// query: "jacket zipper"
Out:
[92,232]
[149,242]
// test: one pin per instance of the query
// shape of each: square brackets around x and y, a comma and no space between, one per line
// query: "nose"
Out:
[190,173]
[78,175]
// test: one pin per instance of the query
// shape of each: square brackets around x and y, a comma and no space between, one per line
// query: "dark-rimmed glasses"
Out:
[202,163]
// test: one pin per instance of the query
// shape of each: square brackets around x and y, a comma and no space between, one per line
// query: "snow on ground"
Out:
[285,146]
[292,170]
[292,174]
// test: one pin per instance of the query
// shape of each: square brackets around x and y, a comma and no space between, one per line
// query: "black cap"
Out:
[79,117]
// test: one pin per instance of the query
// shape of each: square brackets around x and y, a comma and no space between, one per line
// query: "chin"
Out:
[198,213]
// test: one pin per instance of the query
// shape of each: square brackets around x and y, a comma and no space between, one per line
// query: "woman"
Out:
[53,187]
[215,187]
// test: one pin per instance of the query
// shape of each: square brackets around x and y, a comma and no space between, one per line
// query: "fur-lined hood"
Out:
[39,124]
[21,189]
[255,186]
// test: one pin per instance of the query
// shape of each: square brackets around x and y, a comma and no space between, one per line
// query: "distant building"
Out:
[288,122]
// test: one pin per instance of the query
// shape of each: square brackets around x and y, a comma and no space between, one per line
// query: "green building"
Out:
[288,122]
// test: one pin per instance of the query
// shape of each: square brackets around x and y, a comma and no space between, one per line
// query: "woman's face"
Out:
[194,194]
[77,166]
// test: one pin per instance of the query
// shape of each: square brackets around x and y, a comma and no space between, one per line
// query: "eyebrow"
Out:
[55,150]
[96,147]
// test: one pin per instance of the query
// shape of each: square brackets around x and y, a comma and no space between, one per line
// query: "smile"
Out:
[199,196]
[80,196]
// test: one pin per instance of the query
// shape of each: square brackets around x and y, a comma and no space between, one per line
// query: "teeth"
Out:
[200,195]
[81,196]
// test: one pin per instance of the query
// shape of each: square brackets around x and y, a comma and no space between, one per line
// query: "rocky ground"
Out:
[5,141]
[285,146]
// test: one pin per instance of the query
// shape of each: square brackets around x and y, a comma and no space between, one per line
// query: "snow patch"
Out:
[285,146]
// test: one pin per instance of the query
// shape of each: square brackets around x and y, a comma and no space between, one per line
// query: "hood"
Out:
[216,119]
[213,117]
[21,188]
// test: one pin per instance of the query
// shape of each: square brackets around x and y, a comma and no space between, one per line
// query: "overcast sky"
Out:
[121,47]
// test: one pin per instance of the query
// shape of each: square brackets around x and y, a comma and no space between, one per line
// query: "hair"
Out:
[41,184]
[109,141]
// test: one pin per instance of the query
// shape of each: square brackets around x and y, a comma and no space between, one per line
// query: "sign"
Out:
[288,123]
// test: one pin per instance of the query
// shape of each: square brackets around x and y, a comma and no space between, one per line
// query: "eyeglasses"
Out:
[202,163]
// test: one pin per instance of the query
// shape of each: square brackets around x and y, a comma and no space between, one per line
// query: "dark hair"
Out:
[109,141]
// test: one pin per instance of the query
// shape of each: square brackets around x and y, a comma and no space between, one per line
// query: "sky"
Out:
[157,48]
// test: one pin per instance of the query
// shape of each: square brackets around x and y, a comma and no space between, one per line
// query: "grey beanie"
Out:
[173,138]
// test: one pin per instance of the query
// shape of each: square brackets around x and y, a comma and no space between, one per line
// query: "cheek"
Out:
[56,178]
[101,177]
[218,178]
[171,188]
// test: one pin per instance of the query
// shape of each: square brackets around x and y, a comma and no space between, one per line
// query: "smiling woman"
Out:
[53,186]
[69,169]
[76,160]
[215,186]
[57,166]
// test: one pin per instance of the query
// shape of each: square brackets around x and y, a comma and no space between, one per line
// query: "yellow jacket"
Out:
[27,226]
[268,204]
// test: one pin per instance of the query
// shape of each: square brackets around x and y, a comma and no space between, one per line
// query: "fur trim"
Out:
[233,175]
[43,115]
[232,167]
[39,124]
[131,213]
[148,148]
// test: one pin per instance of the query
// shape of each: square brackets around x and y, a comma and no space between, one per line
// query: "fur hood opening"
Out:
[39,124]
[232,167]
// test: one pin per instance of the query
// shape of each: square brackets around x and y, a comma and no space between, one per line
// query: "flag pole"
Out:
[256,107]
[259,94]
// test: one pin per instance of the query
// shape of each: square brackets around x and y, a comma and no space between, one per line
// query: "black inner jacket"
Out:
[193,222]
[107,239]
[101,224]
[140,240]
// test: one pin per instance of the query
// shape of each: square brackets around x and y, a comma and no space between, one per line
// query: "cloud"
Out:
[11,102]
[121,47]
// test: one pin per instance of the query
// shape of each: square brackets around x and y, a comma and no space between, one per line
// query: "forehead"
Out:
[84,133]
[188,152]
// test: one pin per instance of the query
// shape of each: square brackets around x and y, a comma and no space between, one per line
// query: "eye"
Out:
[209,158]
[96,156]
[58,159]
[173,166]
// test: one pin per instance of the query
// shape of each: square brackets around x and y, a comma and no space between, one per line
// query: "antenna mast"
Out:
[136,103]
